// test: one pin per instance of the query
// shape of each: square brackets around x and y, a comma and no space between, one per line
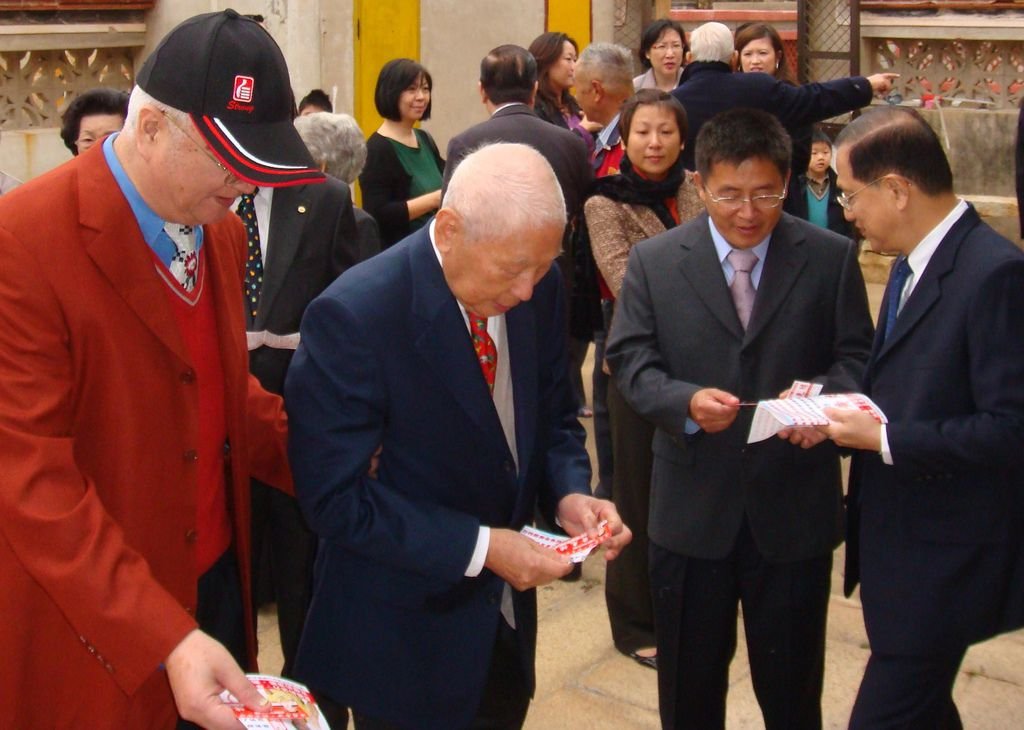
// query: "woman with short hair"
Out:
[401,182]
[662,53]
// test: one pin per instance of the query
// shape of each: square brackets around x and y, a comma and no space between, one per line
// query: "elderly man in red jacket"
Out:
[129,426]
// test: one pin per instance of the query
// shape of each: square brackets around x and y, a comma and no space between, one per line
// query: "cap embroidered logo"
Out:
[243,88]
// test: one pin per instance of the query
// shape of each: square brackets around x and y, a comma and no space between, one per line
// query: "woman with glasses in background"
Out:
[662,53]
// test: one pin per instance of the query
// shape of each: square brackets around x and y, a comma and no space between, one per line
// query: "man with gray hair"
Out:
[129,424]
[445,355]
[709,86]
[604,80]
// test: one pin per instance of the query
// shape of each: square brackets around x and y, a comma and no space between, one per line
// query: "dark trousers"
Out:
[784,613]
[219,611]
[908,693]
[279,529]
[627,588]
[504,703]
[602,427]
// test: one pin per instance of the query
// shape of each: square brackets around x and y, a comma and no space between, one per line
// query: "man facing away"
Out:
[447,353]
[725,310]
[935,506]
[129,425]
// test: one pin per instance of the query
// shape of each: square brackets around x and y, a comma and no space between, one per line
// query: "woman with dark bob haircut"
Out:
[663,50]
[556,55]
[401,182]
[91,116]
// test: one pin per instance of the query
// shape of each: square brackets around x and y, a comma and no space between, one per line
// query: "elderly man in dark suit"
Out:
[935,495]
[508,85]
[730,308]
[448,353]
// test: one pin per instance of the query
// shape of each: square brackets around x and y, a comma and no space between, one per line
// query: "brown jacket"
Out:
[616,227]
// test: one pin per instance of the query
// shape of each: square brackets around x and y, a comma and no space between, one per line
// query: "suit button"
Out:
[493,598]
[191,535]
[227,449]
[191,456]
[507,466]
[188,377]
[189,610]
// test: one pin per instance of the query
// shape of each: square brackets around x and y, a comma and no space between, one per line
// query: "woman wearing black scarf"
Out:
[652,193]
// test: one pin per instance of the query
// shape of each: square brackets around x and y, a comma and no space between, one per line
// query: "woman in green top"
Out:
[401,182]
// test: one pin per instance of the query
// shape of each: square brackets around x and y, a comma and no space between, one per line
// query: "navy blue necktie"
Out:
[897,280]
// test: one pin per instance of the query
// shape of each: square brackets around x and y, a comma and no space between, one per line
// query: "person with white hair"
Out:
[338,147]
[445,358]
[709,86]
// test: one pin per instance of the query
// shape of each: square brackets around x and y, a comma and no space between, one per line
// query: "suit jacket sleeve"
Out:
[50,514]
[337,405]
[801,105]
[992,433]
[635,359]
[567,465]
[853,330]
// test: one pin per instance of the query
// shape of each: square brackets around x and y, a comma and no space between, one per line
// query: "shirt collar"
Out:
[150,224]
[609,129]
[506,105]
[923,251]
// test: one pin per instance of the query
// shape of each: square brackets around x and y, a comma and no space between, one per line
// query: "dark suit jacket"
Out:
[564,151]
[395,629]
[933,535]
[312,240]
[710,88]
[676,331]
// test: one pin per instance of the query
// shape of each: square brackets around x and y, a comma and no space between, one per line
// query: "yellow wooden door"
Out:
[571,17]
[385,29]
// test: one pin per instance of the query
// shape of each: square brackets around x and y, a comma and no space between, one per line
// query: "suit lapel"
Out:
[786,259]
[288,213]
[700,266]
[120,252]
[444,343]
[928,289]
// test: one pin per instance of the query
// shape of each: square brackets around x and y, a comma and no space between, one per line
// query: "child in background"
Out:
[816,199]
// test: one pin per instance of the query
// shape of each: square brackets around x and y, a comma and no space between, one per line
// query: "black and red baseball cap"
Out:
[227,72]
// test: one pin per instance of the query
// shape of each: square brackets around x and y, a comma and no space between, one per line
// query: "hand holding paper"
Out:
[854,429]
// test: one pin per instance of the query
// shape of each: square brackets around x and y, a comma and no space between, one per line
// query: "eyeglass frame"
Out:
[845,201]
[230,178]
[728,201]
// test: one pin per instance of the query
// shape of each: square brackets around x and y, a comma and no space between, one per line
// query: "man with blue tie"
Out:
[446,354]
[934,511]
